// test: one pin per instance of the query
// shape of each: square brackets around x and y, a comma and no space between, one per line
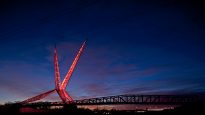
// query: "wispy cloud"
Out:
[101,70]
[19,80]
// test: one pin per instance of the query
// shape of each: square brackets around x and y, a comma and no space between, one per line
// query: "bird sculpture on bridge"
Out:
[60,87]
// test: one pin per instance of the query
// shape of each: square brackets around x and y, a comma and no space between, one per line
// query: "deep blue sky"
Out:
[133,47]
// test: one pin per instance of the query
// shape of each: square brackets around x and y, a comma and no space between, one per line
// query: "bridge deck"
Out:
[130,99]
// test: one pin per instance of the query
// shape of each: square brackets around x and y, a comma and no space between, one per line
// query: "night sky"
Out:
[133,47]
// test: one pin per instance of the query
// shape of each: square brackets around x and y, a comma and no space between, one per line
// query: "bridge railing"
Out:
[138,99]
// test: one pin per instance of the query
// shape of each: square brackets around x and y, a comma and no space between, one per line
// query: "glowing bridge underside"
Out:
[60,88]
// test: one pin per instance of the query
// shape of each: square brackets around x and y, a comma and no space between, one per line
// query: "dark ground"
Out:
[197,108]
